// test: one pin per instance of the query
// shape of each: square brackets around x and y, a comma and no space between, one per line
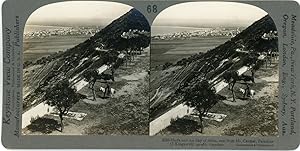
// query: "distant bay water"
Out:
[35,28]
[35,48]
[162,30]
[163,51]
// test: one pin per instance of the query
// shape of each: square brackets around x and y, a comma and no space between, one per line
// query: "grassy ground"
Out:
[125,113]
[253,117]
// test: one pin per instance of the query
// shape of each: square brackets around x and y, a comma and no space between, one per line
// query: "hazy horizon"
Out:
[78,13]
[209,14]
[95,13]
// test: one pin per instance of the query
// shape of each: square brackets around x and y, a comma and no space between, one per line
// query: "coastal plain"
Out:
[163,51]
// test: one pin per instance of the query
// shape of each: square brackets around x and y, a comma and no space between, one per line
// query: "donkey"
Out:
[231,77]
[246,78]
[92,76]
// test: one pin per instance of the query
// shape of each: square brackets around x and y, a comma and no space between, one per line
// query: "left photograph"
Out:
[86,70]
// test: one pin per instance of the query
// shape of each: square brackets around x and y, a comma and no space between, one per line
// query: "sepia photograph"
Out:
[214,71]
[155,74]
[86,70]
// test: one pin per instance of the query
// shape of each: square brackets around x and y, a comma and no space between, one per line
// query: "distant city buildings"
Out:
[90,31]
[213,32]
[65,31]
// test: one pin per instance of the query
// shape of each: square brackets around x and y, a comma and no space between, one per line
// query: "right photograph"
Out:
[214,71]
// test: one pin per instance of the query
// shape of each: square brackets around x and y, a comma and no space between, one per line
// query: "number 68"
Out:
[152,8]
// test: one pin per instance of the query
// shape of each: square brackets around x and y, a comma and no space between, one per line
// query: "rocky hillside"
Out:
[210,65]
[102,48]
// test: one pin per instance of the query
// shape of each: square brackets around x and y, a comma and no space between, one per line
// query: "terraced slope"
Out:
[100,49]
[173,81]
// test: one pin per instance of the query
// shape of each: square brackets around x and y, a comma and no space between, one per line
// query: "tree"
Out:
[92,76]
[231,77]
[257,66]
[62,97]
[136,40]
[202,97]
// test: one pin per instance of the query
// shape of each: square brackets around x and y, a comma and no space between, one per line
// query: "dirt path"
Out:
[251,117]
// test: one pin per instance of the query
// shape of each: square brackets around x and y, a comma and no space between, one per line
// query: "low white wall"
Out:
[181,110]
[164,120]
[43,109]
[35,112]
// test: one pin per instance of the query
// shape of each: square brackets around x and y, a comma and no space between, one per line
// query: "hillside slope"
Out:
[173,81]
[100,49]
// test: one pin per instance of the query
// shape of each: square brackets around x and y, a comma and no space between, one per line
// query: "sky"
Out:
[190,14]
[199,14]
[78,13]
